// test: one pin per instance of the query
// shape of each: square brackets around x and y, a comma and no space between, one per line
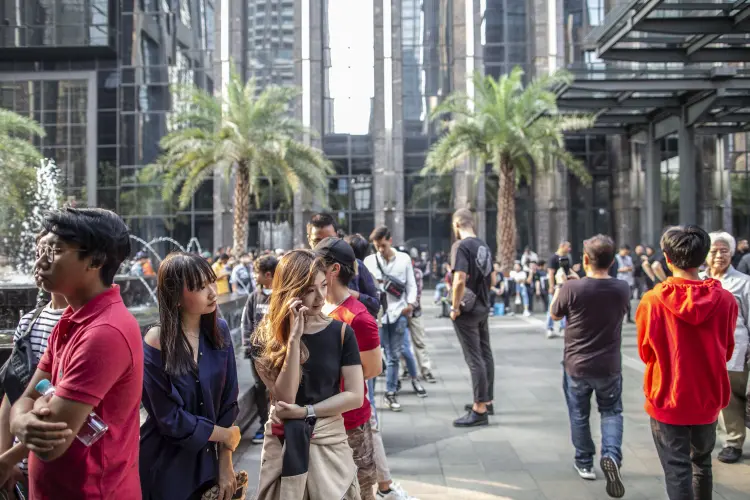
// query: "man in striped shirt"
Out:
[39,332]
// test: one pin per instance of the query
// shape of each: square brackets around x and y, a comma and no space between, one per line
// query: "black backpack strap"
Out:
[32,320]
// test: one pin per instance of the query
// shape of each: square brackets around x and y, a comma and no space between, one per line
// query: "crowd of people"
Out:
[319,328]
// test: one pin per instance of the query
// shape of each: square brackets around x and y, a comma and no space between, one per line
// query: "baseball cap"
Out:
[336,249]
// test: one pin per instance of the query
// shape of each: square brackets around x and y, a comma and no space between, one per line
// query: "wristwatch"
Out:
[454,310]
[310,412]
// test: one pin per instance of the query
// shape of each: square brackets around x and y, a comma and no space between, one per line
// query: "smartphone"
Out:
[19,491]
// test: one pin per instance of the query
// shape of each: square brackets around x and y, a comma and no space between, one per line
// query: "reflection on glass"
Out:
[270,42]
[60,106]
[349,84]
[69,23]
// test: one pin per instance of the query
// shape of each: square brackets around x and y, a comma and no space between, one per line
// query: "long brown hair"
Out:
[295,272]
[177,272]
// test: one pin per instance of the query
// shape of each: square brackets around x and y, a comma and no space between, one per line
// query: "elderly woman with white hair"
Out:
[732,418]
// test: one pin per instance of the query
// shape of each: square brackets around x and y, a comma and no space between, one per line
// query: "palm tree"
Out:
[18,161]
[245,132]
[512,127]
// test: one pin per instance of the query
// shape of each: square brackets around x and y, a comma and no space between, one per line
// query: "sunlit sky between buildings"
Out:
[351,77]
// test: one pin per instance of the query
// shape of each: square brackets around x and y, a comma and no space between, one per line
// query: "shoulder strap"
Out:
[343,332]
[34,317]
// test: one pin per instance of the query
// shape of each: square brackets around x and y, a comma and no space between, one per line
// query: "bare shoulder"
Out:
[152,337]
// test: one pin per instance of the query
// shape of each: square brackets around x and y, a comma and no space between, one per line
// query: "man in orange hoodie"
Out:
[686,337]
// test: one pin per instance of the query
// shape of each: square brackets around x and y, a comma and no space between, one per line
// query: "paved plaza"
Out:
[525,452]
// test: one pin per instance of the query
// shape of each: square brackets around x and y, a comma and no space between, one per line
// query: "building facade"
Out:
[98,75]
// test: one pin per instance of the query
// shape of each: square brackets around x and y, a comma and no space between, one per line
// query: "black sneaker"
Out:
[404,374]
[585,472]
[611,471]
[391,401]
[472,419]
[730,455]
[429,378]
[398,386]
[418,388]
[490,408]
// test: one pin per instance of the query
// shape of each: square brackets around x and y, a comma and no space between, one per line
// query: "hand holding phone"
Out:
[296,318]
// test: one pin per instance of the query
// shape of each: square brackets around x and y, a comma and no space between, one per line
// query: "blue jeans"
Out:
[411,363]
[392,339]
[608,392]
[371,395]
[551,322]
[524,293]
[439,289]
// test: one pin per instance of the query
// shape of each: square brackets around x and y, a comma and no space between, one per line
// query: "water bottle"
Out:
[91,430]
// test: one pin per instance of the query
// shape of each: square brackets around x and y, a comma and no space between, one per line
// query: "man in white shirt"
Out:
[393,271]
[625,271]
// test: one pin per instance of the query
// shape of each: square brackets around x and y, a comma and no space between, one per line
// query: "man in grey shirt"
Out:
[732,418]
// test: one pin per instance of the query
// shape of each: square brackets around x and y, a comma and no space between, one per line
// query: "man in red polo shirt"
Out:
[94,360]
[339,259]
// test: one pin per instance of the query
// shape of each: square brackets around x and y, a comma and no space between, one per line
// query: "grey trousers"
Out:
[732,418]
[416,330]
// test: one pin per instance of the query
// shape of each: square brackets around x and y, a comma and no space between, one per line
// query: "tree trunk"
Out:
[506,216]
[241,210]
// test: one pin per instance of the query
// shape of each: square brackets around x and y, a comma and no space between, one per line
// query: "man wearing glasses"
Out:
[94,360]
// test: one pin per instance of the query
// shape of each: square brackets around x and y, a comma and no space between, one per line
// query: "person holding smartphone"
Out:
[560,260]
[312,368]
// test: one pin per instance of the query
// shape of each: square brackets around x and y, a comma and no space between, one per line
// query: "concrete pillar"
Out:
[550,185]
[626,228]
[723,163]
[467,49]
[308,71]
[653,217]
[688,172]
[388,178]
[709,198]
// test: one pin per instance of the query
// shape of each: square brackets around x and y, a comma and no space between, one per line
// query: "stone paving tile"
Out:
[525,453]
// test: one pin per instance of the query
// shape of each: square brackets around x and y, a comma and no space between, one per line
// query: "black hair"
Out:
[266,264]
[624,246]
[380,233]
[359,244]
[346,272]
[322,220]
[686,246]
[177,272]
[224,256]
[98,233]
[600,250]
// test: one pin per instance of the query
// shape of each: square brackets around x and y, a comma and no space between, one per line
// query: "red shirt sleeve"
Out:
[366,330]
[100,358]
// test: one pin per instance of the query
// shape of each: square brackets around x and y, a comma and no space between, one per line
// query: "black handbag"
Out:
[393,286]
[20,366]
[468,301]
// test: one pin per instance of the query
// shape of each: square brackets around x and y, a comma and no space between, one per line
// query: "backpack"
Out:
[17,371]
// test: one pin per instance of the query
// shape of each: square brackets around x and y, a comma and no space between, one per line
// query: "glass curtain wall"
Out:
[505,45]
[348,96]
[162,45]
[267,40]
[427,70]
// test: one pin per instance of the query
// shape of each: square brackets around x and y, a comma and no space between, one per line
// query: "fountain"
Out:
[197,245]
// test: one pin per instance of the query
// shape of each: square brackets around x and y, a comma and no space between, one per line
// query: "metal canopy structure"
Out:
[674,31]
[627,101]
[664,67]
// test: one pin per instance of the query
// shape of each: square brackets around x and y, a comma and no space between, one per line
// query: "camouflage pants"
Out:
[360,441]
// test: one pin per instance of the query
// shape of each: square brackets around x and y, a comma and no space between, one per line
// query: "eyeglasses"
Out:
[50,253]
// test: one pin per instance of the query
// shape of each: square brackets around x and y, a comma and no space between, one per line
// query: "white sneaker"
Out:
[586,473]
[526,314]
[551,334]
[396,493]
[518,300]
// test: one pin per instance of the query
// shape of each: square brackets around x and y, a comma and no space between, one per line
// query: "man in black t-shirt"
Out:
[471,261]
[594,306]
